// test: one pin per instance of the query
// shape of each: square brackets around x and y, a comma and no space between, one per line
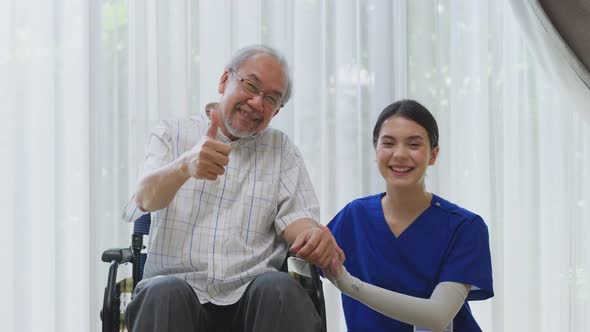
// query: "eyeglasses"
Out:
[269,101]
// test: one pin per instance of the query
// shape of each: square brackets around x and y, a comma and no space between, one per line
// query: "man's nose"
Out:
[257,101]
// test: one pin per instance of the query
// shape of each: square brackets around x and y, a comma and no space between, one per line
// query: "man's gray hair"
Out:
[249,51]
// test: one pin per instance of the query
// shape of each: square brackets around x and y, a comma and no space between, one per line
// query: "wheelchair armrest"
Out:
[120,255]
[308,276]
[110,305]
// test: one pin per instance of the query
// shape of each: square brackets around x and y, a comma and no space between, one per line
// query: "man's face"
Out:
[245,113]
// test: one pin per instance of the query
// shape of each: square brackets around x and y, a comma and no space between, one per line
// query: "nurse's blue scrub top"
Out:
[445,243]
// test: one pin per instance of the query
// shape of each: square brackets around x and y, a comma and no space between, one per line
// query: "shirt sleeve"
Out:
[469,260]
[159,151]
[297,198]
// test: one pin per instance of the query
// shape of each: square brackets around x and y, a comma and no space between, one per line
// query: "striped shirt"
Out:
[219,235]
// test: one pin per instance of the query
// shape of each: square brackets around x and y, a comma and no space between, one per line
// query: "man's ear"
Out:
[433,155]
[223,82]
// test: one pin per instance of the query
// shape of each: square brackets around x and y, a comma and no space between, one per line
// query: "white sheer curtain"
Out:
[553,54]
[46,165]
[513,148]
[82,82]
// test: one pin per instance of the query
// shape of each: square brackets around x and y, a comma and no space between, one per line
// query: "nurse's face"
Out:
[404,153]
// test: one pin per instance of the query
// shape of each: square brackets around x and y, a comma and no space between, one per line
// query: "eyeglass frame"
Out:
[244,81]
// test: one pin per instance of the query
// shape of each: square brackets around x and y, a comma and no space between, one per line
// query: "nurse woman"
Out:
[409,260]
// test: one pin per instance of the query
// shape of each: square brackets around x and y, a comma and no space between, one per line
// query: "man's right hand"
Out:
[209,157]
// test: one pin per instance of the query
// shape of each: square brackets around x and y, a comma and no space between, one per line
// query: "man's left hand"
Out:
[316,245]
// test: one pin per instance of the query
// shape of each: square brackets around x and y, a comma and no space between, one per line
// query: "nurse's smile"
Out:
[401,170]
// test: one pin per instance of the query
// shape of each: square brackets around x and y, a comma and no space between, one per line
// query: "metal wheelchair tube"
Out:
[108,311]
[136,247]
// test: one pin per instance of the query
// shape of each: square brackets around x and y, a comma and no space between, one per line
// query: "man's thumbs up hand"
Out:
[214,124]
[207,159]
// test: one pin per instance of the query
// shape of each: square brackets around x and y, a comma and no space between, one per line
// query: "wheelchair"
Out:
[118,293]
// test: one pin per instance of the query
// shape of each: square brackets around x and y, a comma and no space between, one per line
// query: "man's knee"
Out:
[163,287]
[156,299]
[276,302]
[278,286]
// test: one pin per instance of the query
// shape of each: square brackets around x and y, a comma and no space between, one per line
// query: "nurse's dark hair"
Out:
[411,110]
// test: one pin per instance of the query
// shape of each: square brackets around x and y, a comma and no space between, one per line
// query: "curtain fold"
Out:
[553,53]
[514,149]
[44,61]
[81,84]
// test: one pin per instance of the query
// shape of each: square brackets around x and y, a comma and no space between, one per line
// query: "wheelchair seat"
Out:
[117,294]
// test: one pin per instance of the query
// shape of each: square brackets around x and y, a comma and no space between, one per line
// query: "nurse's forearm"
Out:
[434,313]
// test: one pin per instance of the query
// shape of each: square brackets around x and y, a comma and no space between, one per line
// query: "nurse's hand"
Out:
[336,265]
[338,276]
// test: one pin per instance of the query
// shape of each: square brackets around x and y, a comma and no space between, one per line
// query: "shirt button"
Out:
[437,204]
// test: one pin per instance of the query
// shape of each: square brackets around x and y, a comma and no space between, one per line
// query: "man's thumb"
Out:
[214,125]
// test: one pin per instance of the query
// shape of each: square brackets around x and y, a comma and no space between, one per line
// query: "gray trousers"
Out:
[273,301]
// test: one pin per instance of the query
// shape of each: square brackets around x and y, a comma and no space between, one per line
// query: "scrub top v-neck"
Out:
[383,221]
[444,243]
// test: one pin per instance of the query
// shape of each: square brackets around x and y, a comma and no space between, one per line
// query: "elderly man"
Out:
[227,194]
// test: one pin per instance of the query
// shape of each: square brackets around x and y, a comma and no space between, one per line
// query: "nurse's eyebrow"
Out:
[415,137]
